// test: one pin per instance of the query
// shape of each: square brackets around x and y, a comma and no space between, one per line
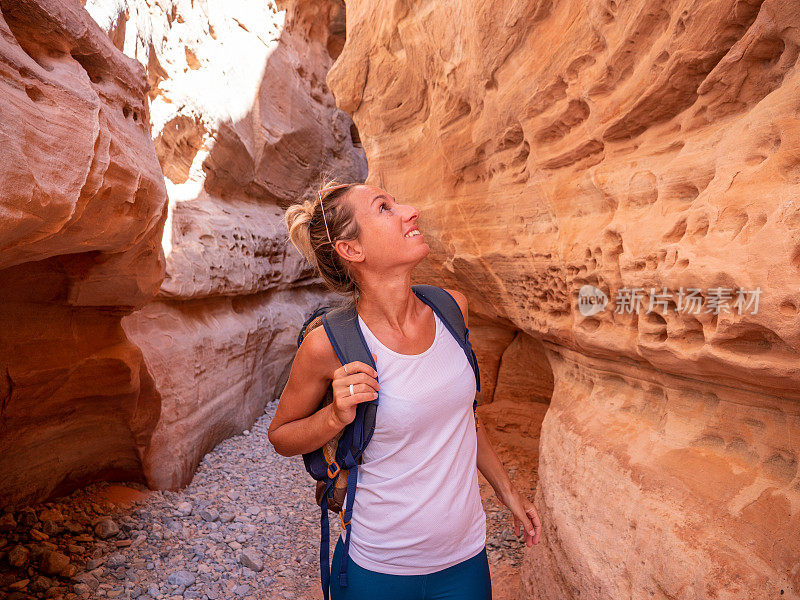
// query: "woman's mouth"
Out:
[413,233]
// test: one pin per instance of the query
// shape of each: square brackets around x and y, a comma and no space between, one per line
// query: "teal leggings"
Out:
[468,580]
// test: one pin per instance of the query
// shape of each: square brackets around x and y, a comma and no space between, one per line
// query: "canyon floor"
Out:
[245,527]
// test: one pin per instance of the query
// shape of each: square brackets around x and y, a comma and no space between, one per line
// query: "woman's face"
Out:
[385,226]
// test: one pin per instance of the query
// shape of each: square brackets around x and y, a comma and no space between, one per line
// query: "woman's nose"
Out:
[411,212]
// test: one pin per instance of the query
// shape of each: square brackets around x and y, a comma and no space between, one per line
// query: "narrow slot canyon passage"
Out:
[521,385]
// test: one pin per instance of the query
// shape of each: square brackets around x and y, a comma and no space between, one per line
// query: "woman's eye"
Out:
[383,205]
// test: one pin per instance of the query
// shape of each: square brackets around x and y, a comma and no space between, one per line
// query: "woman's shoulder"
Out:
[317,353]
[461,299]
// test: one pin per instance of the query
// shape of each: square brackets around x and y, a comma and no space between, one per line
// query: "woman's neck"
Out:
[391,302]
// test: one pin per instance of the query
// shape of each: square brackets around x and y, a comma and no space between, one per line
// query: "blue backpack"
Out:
[337,462]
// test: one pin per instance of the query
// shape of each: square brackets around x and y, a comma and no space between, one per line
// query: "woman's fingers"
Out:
[357,372]
[354,367]
[525,517]
[517,525]
[344,403]
[363,397]
[526,523]
[360,381]
[353,383]
[518,507]
[362,392]
[364,389]
[537,524]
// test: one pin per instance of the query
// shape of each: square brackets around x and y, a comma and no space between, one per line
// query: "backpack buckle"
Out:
[341,520]
[336,472]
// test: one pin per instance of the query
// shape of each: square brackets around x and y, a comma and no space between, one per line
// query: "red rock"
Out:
[19,584]
[38,535]
[84,204]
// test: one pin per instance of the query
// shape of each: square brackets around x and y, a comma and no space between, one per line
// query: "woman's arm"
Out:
[299,425]
[489,465]
[524,511]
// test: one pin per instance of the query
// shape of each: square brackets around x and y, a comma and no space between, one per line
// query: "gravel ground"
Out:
[246,527]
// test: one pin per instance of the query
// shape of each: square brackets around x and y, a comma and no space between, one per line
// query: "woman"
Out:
[418,529]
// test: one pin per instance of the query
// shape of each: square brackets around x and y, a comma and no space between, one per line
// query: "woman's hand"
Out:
[525,516]
[365,388]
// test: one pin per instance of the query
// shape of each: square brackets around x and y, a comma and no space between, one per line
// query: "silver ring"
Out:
[345,369]
[351,389]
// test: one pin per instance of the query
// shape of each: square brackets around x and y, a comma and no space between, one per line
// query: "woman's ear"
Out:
[350,250]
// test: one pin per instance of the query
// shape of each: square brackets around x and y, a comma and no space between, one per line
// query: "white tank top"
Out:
[417,507]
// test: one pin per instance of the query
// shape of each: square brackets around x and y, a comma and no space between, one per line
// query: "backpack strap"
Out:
[314,315]
[448,310]
[352,480]
[324,561]
[344,333]
[341,325]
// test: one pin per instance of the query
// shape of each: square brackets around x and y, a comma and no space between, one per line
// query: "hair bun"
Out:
[313,235]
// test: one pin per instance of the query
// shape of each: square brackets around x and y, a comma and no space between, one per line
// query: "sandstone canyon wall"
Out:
[619,145]
[83,208]
[243,124]
[123,121]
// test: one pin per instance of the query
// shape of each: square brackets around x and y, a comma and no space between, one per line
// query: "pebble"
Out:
[7,522]
[209,515]
[18,556]
[106,528]
[81,589]
[18,585]
[27,517]
[184,578]
[115,560]
[53,562]
[251,559]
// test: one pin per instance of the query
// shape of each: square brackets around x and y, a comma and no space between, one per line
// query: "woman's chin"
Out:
[419,254]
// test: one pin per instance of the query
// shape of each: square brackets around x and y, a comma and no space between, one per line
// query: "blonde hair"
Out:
[314,235]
